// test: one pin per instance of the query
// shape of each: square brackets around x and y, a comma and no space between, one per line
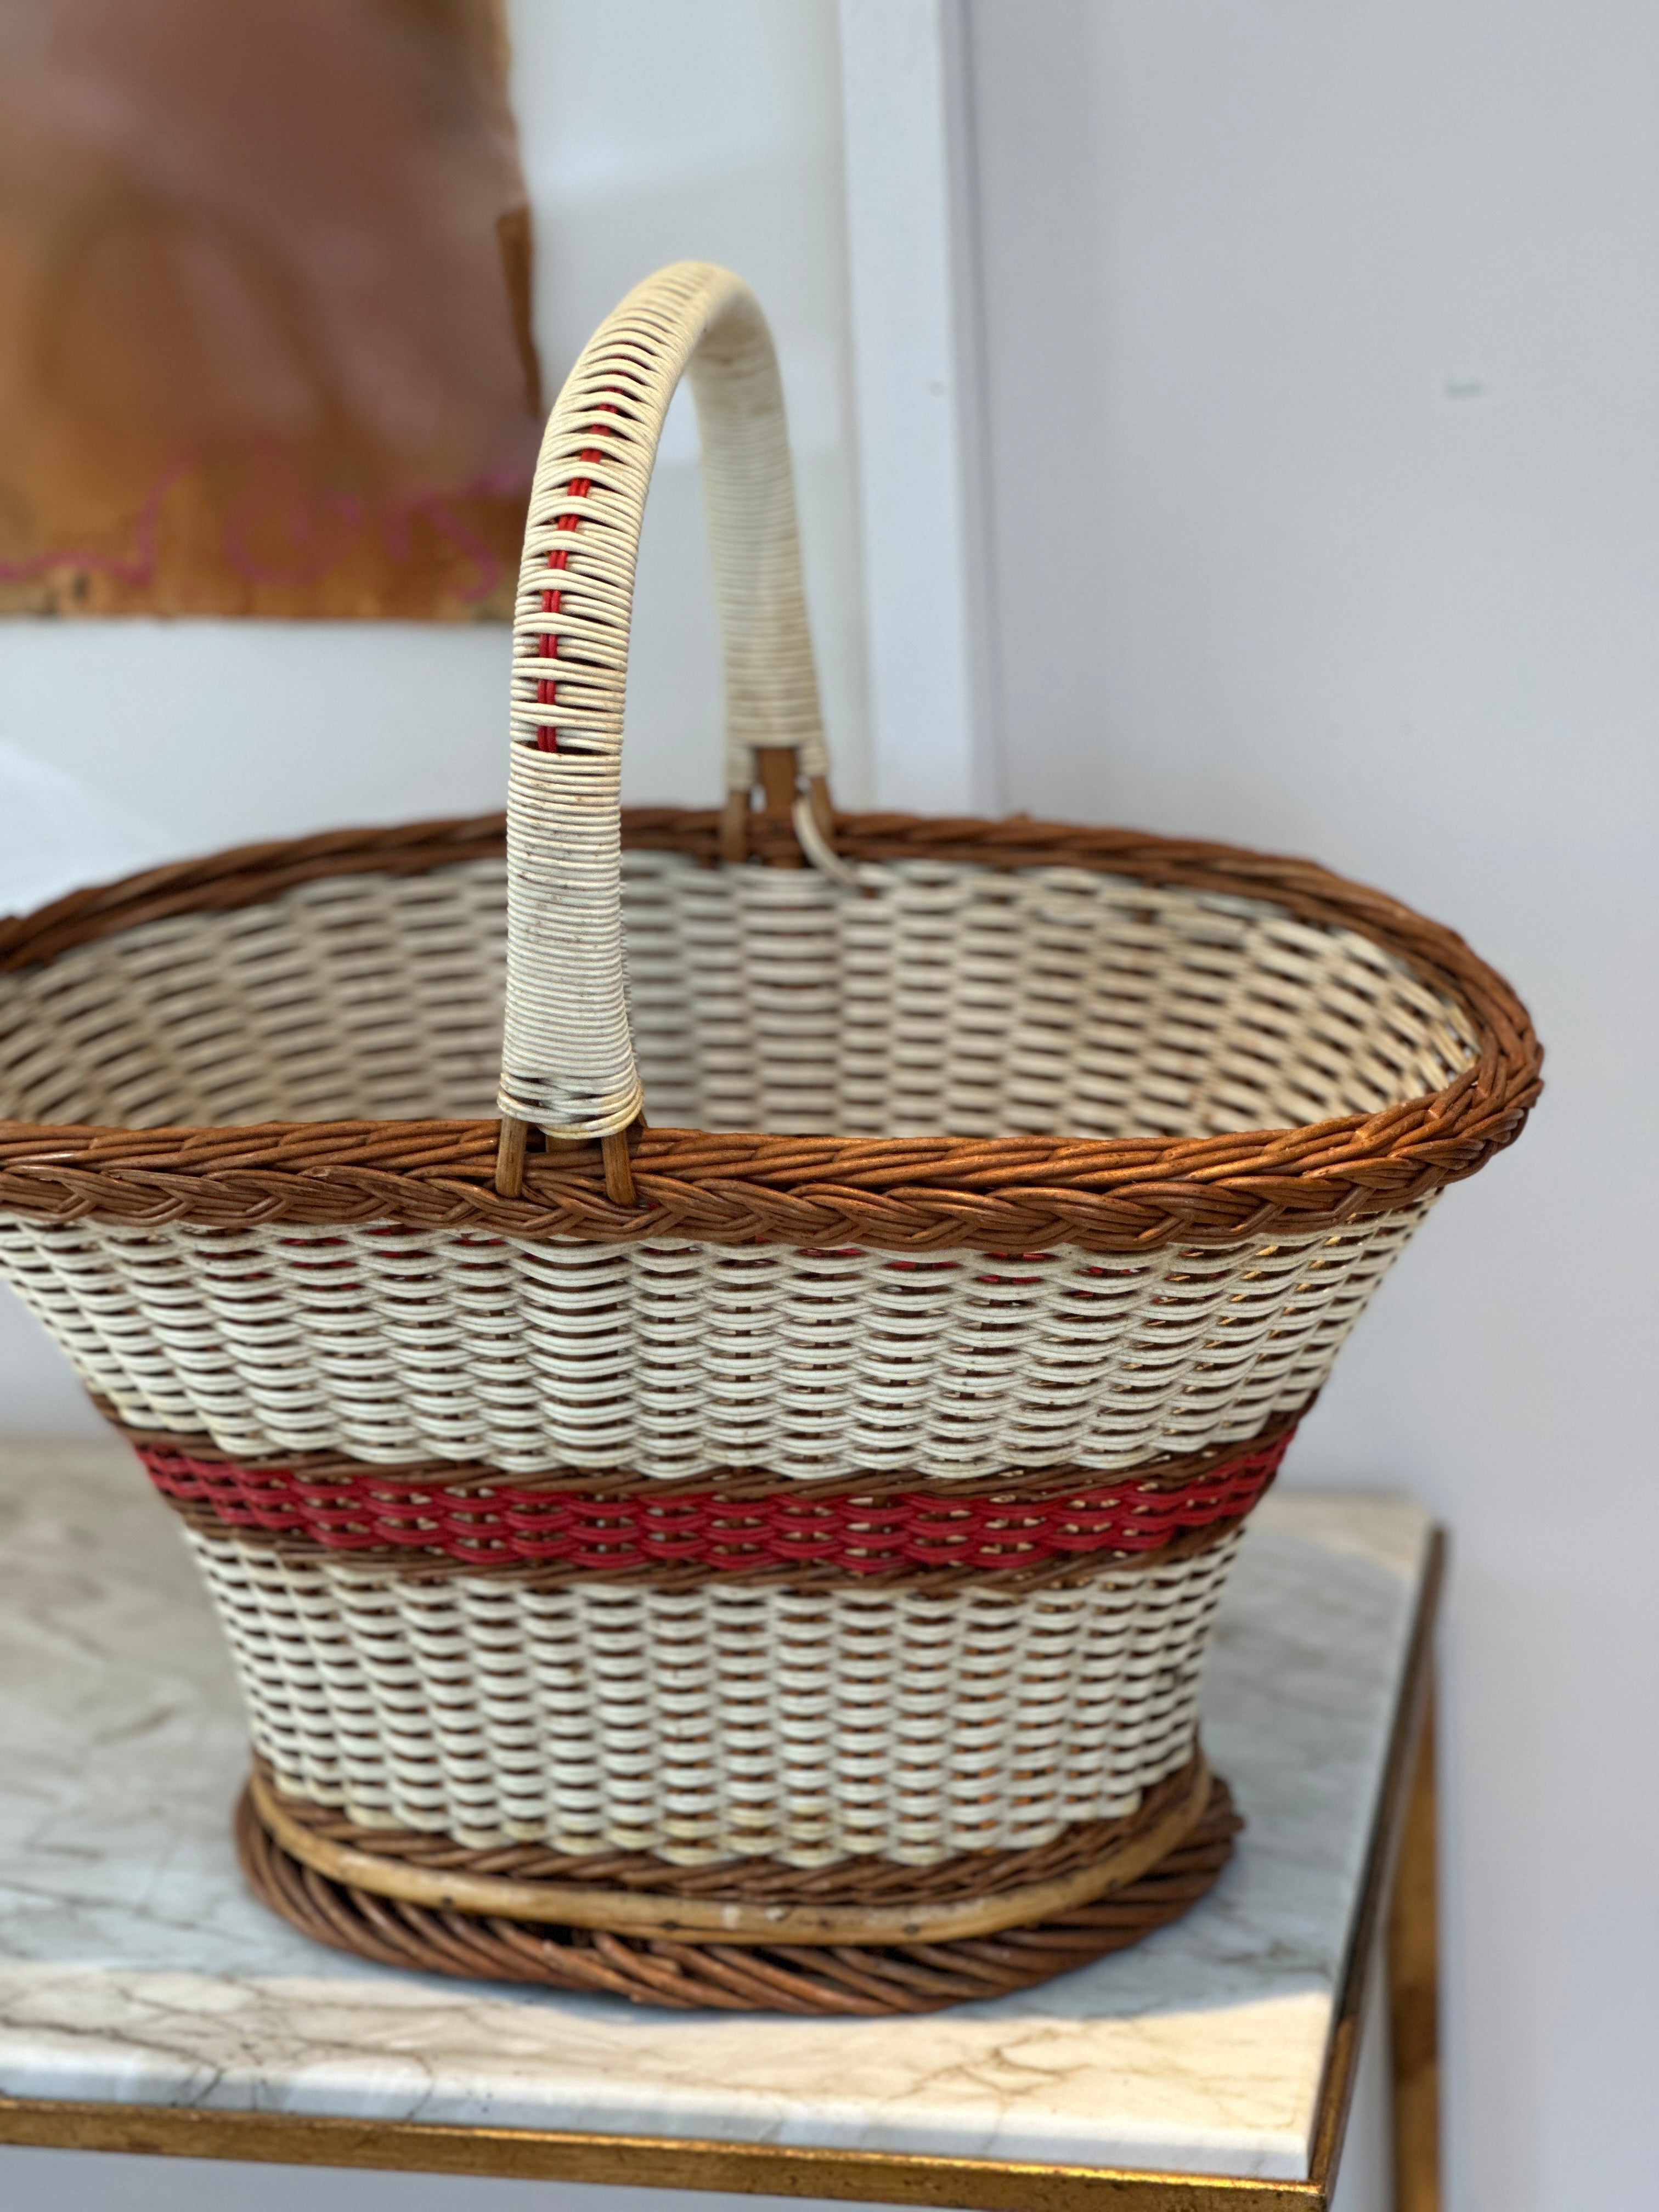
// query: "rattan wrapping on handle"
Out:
[568,1059]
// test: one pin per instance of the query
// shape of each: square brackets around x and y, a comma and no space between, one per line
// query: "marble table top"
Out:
[133,1966]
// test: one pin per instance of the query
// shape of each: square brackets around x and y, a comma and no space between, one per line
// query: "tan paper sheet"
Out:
[264,289]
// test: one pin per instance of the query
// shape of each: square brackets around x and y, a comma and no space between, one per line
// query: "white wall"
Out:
[930,647]
[1324,388]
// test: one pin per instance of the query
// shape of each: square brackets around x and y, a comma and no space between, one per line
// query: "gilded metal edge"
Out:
[639,2161]
[1377,1882]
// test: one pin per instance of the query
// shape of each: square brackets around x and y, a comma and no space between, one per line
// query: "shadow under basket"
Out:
[985,1924]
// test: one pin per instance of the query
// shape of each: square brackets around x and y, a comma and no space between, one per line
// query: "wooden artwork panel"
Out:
[264,309]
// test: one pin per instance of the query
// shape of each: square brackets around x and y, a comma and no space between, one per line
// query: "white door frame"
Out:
[912,251]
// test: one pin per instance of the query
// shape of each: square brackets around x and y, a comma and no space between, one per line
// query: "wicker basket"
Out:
[728,1567]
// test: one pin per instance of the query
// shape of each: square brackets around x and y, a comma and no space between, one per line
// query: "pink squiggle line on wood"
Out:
[436,505]
[139,567]
[135,568]
[304,515]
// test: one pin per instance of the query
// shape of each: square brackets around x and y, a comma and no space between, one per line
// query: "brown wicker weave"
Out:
[867,1881]
[977,1893]
[844,1979]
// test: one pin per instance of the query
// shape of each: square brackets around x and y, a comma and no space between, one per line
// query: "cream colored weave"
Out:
[951,998]
[946,999]
[370,996]
[804,1727]
[392,1343]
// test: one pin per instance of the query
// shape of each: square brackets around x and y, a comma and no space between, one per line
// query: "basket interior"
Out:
[955,999]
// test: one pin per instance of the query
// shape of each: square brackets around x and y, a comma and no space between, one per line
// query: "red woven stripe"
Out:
[376,1510]
[547,691]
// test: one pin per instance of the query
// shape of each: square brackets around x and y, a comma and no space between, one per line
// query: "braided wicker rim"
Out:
[1164,1819]
[998,1551]
[845,1979]
[901,1194]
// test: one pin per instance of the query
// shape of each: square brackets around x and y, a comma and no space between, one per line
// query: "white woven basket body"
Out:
[394,1344]
[803,1726]
[942,999]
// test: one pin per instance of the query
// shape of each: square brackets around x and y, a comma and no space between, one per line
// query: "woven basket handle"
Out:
[567,1058]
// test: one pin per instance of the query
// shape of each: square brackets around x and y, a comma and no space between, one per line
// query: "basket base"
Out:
[814,1978]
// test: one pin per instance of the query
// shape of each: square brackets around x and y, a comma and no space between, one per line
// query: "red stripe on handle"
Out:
[378,1510]
[547,690]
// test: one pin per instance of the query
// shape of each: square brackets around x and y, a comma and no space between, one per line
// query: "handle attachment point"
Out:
[618,1169]
[512,1145]
[510,1149]
[784,793]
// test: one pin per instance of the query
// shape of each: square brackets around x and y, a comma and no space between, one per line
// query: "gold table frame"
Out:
[1399,1881]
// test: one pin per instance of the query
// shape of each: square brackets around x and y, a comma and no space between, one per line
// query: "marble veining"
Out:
[132,1965]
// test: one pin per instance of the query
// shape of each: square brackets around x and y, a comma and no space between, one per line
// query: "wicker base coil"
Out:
[745,1975]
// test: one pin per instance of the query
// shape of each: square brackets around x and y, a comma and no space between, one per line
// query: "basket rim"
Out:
[1010,1195]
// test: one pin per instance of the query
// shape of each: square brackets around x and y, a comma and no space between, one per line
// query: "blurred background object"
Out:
[266,346]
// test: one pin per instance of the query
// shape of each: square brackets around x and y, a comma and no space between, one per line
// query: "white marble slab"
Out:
[133,1966]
